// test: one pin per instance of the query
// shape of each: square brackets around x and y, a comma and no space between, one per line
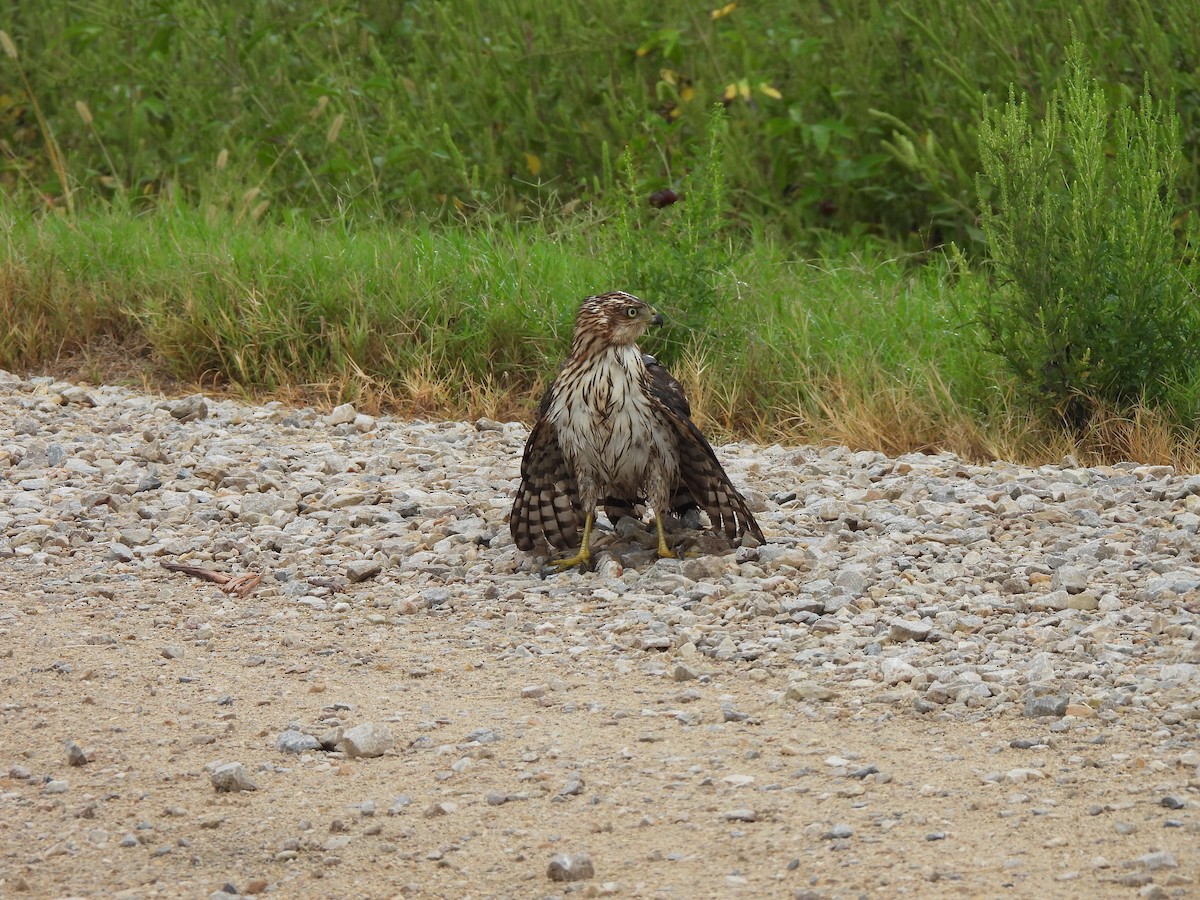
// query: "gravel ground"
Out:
[934,679]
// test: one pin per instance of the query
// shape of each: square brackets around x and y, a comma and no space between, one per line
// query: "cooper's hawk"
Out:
[616,428]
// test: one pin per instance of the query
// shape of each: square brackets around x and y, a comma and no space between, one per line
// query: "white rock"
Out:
[367,740]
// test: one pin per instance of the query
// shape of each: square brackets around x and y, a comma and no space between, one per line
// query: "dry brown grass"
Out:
[1142,435]
[60,328]
[893,421]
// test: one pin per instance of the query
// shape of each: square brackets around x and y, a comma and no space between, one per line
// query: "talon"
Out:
[584,556]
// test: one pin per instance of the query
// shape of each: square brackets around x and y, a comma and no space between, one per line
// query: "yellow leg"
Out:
[664,552]
[584,556]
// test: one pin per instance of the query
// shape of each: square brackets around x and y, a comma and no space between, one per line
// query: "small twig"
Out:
[240,585]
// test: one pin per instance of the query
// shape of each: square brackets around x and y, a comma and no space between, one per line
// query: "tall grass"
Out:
[471,321]
[854,116]
[474,318]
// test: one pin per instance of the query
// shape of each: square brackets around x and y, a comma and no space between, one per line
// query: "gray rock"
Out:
[570,867]
[362,569]
[296,742]
[231,778]
[189,409]
[341,415]
[1046,705]
[900,630]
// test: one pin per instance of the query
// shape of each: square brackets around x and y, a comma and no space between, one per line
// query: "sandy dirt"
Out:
[667,798]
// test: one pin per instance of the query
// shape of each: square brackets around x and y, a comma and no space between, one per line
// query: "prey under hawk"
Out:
[615,428]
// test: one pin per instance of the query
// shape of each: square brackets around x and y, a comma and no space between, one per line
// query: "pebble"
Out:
[971,592]
[1046,706]
[1162,859]
[570,867]
[901,630]
[296,742]
[230,778]
[740,815]
[367,740]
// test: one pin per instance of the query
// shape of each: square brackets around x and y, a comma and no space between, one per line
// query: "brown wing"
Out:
[547,501]
[700,472]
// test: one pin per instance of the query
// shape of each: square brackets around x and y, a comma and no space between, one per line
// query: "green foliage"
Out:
[677,254]
[854,116]
[472,309]
[1093,300]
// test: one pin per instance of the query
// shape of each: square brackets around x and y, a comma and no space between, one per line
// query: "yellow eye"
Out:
[631,311]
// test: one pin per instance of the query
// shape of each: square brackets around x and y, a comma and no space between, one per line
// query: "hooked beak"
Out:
[656,319]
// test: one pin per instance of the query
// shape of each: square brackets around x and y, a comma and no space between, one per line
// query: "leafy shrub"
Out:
[1092,300]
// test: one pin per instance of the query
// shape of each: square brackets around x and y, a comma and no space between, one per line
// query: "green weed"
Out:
[1093,300]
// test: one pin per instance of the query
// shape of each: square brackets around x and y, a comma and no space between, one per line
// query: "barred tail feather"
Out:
[547,502]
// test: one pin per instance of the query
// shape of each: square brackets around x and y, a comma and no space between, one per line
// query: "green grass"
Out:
[866,350]
[854,116]
[473,320]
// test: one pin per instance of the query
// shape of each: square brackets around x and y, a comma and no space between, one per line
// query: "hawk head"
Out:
[615,319]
